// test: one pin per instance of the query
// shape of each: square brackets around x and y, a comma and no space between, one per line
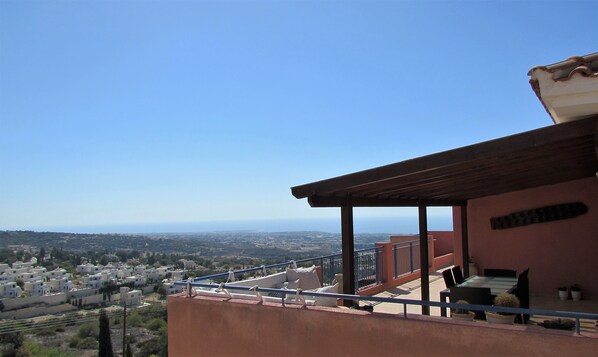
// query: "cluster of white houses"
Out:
[25,285]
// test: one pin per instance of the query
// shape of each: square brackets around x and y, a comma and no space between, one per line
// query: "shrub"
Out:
[74,341]
[134,320]
[90,329]
[155,324]
[88,343]
[45,332]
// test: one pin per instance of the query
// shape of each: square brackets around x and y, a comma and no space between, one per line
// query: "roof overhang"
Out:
[569,89]
[545,156]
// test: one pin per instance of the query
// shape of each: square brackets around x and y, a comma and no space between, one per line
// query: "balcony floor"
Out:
[412,291]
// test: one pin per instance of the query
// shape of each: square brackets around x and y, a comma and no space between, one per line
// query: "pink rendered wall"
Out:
[558,253]
[211,327]
[443,242]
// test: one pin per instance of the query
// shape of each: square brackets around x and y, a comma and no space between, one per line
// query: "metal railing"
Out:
[368,265]
[406,258]
[577,316]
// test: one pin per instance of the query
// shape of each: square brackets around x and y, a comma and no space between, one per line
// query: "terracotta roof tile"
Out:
[586,66]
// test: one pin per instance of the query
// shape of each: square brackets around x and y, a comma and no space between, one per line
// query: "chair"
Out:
[507,273]
[476,296]
[522,292]
[458,274]
[447,274]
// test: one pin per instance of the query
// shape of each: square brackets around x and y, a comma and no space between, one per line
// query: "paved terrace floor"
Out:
[412,291]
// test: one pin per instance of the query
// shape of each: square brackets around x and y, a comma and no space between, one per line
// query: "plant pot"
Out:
[468,316]
[576,295]
[495,318]
[563,294]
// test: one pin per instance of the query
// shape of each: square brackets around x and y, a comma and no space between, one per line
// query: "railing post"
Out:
[395,260]
[378,280]
[357,270]
[411,255]
[331,269]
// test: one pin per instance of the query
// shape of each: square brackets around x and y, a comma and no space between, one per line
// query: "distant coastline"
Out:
[391,225]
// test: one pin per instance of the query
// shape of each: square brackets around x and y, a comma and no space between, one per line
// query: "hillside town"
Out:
[28,289]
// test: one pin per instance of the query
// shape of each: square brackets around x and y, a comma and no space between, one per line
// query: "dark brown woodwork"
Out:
[348,251]
[423,257]
[545,156]
[464,241]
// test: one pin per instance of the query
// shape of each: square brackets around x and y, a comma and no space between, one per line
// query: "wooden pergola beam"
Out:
[348,251]
[326,201]
[423,257]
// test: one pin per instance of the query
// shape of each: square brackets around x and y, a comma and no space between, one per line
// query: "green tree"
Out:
[13,340]
[42,254]
[161,290]
[105,342]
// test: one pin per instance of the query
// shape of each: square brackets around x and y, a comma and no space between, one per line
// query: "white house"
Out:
[10,289]
[36,288]
[57,273]
[138,280]
[171,288]
[130,297]
[178,274]
[60,285]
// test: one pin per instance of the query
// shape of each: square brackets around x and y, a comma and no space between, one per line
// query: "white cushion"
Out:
[326,301]
[293,284]
[308,277]
[269,281]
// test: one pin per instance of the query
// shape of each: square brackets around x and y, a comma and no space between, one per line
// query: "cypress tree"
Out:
[105,342]
[129,352]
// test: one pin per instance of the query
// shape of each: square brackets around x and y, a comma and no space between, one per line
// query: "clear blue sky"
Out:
[115,112]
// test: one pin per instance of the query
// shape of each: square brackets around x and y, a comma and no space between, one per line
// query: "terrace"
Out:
[526,201]
[294,328]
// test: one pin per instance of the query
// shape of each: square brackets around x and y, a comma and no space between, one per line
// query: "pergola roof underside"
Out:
[545,156]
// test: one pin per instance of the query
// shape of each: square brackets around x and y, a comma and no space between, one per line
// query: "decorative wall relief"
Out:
[539,215]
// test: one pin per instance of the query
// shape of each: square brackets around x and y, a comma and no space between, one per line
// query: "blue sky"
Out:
[121,112]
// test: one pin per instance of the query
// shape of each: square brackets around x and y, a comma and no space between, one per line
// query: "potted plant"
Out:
[575,292]
[563,293]
[503,300]
[462,313]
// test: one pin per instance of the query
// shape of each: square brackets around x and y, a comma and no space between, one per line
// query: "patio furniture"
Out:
[496,284]
[475,296]
[500,272]
[448,278]
[457,274]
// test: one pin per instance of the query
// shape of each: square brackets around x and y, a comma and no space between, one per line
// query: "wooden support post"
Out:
[348,251]
[464,241]
[423,253]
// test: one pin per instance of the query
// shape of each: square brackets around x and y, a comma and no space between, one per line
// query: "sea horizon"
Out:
[390,225]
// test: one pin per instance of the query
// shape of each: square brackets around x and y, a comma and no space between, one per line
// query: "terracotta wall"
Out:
[558,253]
[210,327]
[443,242]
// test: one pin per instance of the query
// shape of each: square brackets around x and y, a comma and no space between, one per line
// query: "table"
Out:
[497,285]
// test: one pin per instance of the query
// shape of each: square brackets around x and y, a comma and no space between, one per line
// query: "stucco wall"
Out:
[558,253]
[210,327]
[443,242]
